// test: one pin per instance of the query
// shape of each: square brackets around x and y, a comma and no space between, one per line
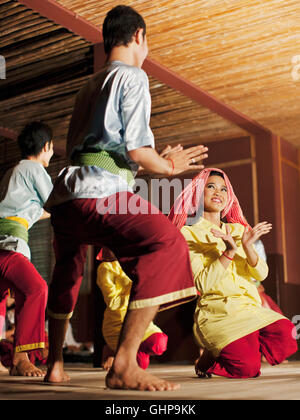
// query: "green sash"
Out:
[13,228]
[110,161]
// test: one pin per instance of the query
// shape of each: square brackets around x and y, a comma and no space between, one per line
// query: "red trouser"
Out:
[242,358]
[3,299]
[30,290]
[156,344]
[151,251]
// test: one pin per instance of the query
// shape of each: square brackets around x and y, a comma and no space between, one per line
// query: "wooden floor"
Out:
[87,383]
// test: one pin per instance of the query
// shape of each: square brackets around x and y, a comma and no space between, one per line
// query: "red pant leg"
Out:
[67,276]
[151,251]
[155,344]
[148,247]
[3,300]
[6,353]
[143,359]
[30,290]
[277,341]
[240,359]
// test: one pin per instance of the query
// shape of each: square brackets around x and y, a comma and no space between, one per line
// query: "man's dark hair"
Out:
[33,138]
[120,25]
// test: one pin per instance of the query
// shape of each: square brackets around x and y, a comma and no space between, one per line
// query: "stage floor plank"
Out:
[87,383]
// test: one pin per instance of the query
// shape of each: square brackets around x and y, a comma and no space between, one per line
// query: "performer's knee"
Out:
[245,369]
[156,344]
[288,331]
[38,291]
[286,342]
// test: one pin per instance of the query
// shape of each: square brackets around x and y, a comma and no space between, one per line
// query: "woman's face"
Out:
[215,194]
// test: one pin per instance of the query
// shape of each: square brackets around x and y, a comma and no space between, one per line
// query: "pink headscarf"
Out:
[189,200]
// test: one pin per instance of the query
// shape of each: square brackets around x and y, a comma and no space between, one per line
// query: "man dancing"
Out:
[109,138]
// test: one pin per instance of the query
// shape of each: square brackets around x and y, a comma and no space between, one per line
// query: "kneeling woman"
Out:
[230,322]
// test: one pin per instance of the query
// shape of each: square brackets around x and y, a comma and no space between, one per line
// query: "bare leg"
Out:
[57,332]
[23,367]
[125,372]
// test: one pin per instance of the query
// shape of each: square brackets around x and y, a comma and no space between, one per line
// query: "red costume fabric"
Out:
[36,357]
[30,290]
[155,345]
[148,247]
[3,300]
[242,358]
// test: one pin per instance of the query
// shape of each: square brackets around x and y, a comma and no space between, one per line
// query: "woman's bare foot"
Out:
[107,364]
[26,368]
[131,376]
[56,373]
[107,357]
[205,361]
[21,366]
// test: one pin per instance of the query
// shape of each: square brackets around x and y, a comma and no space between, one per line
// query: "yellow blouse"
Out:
[116,286]
[229,306]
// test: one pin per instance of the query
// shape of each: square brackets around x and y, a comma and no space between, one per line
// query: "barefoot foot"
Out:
[26,368]
[107,364]
[56,373]
[135,378]
[107,358]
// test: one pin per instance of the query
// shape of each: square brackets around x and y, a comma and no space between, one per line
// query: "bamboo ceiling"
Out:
[240,51]
[47,65]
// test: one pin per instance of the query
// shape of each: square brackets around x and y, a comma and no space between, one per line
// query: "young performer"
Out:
[116,288]
[23,192]
[230,322]
[92,203]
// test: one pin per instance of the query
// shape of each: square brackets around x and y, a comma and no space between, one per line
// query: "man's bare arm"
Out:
[172,163]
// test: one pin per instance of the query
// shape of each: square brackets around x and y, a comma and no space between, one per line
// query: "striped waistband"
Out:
[110,161]
[14,226]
